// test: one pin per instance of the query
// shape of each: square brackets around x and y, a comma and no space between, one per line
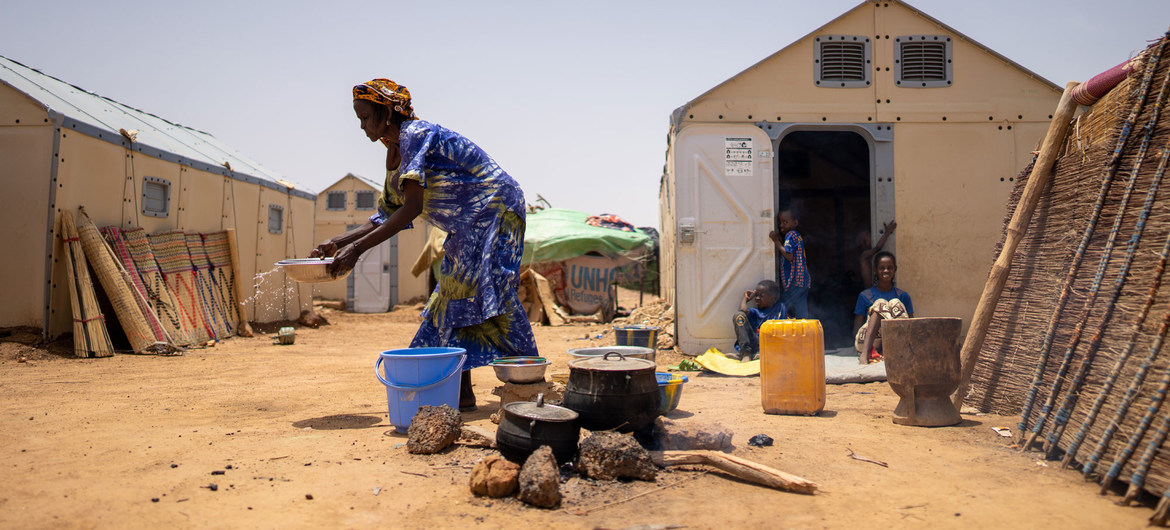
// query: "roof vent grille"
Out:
[842,61]
[923,61]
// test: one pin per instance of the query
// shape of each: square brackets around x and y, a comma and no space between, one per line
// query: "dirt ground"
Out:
[297,436]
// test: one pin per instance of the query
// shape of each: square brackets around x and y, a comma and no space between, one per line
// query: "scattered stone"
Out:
[312,319]
[476,437]
[433,429]
[495,477]
[217,472]
[154,499]
[308,496]
[760,440]
[540,479]
[669,435]
[610,456]
[213,487]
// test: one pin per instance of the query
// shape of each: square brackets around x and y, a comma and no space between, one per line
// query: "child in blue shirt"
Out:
[881,301]
[757,307]
[793,268]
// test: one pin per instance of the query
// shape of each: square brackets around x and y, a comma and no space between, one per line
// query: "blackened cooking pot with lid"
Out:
[613,392]
[527,425]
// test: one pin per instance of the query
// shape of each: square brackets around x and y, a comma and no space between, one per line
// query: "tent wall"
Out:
[106,178]
[26,148]
[330,223]
[956,149]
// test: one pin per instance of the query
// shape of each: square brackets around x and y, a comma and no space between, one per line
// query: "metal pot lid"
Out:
[538,410]
[613,362]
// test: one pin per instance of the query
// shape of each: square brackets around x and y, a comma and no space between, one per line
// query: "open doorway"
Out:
[825,175]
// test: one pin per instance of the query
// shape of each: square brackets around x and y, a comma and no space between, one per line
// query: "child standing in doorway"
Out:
[793,268]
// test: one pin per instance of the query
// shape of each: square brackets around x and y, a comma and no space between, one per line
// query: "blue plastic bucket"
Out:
[419,376]
[637,335]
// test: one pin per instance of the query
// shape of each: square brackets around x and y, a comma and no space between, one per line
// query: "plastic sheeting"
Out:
[558,234]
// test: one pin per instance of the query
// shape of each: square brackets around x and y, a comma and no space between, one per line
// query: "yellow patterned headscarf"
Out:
[388,93]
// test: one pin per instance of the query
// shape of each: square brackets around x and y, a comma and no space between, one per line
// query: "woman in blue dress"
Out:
[450,182]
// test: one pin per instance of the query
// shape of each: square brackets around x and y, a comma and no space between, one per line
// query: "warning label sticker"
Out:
[738,157]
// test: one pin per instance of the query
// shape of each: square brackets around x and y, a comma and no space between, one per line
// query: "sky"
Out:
[573,99]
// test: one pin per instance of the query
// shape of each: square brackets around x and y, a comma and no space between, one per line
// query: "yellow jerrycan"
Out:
[792,367]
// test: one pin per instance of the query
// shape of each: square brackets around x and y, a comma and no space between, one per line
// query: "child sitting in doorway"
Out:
[881,301]
[757,307]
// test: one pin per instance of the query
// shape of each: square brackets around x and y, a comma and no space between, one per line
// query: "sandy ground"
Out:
[297,436]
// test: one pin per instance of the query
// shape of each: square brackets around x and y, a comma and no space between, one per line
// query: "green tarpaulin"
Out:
[557,234]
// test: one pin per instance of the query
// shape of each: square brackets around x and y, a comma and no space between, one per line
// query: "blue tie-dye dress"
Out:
[467,195]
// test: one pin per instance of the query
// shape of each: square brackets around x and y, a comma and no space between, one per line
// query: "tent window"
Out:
[363,200]
[842,61]
[275,218]
[156,197]
[335,200]
[923,61]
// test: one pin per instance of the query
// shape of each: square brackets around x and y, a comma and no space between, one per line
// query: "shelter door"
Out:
[372,287]
[724,194]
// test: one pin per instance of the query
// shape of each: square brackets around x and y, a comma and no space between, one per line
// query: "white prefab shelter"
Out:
[64,147]
[382,277]
[884,113]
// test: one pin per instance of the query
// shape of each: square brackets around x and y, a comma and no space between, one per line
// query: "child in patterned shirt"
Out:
[793,269]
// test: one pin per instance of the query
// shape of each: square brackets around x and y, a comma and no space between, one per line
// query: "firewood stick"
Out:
[739,467]
[1017,227]
[243,329]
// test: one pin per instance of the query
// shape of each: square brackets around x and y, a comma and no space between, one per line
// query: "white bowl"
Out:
[309,270]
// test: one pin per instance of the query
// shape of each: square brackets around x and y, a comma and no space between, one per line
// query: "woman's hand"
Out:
[324,250]
[344,260]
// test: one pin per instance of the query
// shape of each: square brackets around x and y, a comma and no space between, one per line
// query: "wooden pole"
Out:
[739,467]
[244,328]
[1017,227]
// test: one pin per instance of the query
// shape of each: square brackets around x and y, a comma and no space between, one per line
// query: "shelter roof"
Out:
[677,115]
[377,186]
[104,118]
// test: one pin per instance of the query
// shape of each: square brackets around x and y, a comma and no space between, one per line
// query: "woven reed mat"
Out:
[209,296]
[223,273]
[170,252]
[165,305]
[130,317]
[122,253]
[90,336]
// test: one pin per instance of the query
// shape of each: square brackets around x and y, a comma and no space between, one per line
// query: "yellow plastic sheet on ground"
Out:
[714,360]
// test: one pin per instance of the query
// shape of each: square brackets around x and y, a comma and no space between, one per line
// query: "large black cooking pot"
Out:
[613,392]
[527,425]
